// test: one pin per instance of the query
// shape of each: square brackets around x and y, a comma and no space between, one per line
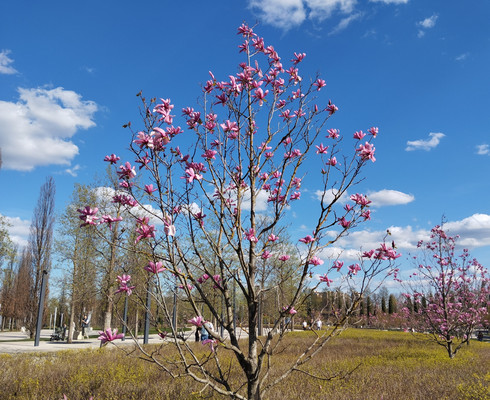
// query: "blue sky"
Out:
[418,69]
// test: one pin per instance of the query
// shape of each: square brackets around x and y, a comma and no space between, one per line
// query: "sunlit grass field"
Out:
[383,365]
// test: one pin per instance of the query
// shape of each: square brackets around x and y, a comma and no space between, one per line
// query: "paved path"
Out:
[17,342]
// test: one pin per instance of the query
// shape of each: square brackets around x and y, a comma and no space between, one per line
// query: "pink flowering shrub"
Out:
[209,192]
[448,295]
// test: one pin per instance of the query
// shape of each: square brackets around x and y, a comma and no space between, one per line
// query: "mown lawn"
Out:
[382,365]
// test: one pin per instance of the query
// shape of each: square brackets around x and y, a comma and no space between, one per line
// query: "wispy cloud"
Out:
[390,1]
[284,14]
[462,57]
[73,171]
[18,230]
[473,231]
[287,14]
[427,144]
[388,197]
[345,22]
[483,149]
[5,63]
[36,130]
[426,23]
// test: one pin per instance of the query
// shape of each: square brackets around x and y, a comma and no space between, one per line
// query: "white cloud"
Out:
[427,144]
[429,22]
[283,14]
[322,9]
[5,61]
[73,171]
[345,22]
[426,23]
[18,230]
[286,14]
[390,1]
[483,149]
[387,197]
[462,57]
[37,129]
[473,231]
[330,195]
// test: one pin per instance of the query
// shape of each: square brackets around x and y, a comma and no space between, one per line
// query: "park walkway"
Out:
[17,342]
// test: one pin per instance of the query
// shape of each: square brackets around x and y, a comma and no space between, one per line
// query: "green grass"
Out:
[383,365]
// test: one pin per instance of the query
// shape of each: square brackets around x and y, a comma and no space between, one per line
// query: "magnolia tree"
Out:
[450,293]
[208,217]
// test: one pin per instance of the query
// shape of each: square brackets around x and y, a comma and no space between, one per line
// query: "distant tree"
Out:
[40,245]
[392,304]
[6,244]
[456,289]
[7,288]
[383,305]
[23,313]
[76,248]
[369,307]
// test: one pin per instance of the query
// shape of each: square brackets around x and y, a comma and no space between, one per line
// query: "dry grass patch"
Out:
[383,365]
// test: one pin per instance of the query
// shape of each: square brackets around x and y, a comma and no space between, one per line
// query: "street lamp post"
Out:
[40,308]
[125,317]
[147,314]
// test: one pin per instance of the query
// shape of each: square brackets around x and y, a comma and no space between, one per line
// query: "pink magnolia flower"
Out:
[145,231]
[109,335]
[338,265]
[284,257]
[211,342]
[324,278]
[321,149]
[155,268]
[203,278]
[315,261]
[126,171]
[333,133]
[368,254]
[331,108]
[366,215]
[273,237]
[360,199]
[366,152]
[344,223]
[191,174]
[319,83]
[250,235]
[188,286]
[307,239]
[197,321]
[295,196]
[88,215]
[359,135]
[107,219]
[150,189]
[291,310]
[229,126]
[168,228]
[298,57]
[332,161]
[260,95]
[354,269]
[373,131]
[210,154]
[113,159]
[123,284]
[266,254]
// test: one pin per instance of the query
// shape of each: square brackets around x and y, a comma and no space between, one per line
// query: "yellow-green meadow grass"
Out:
[368,364]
